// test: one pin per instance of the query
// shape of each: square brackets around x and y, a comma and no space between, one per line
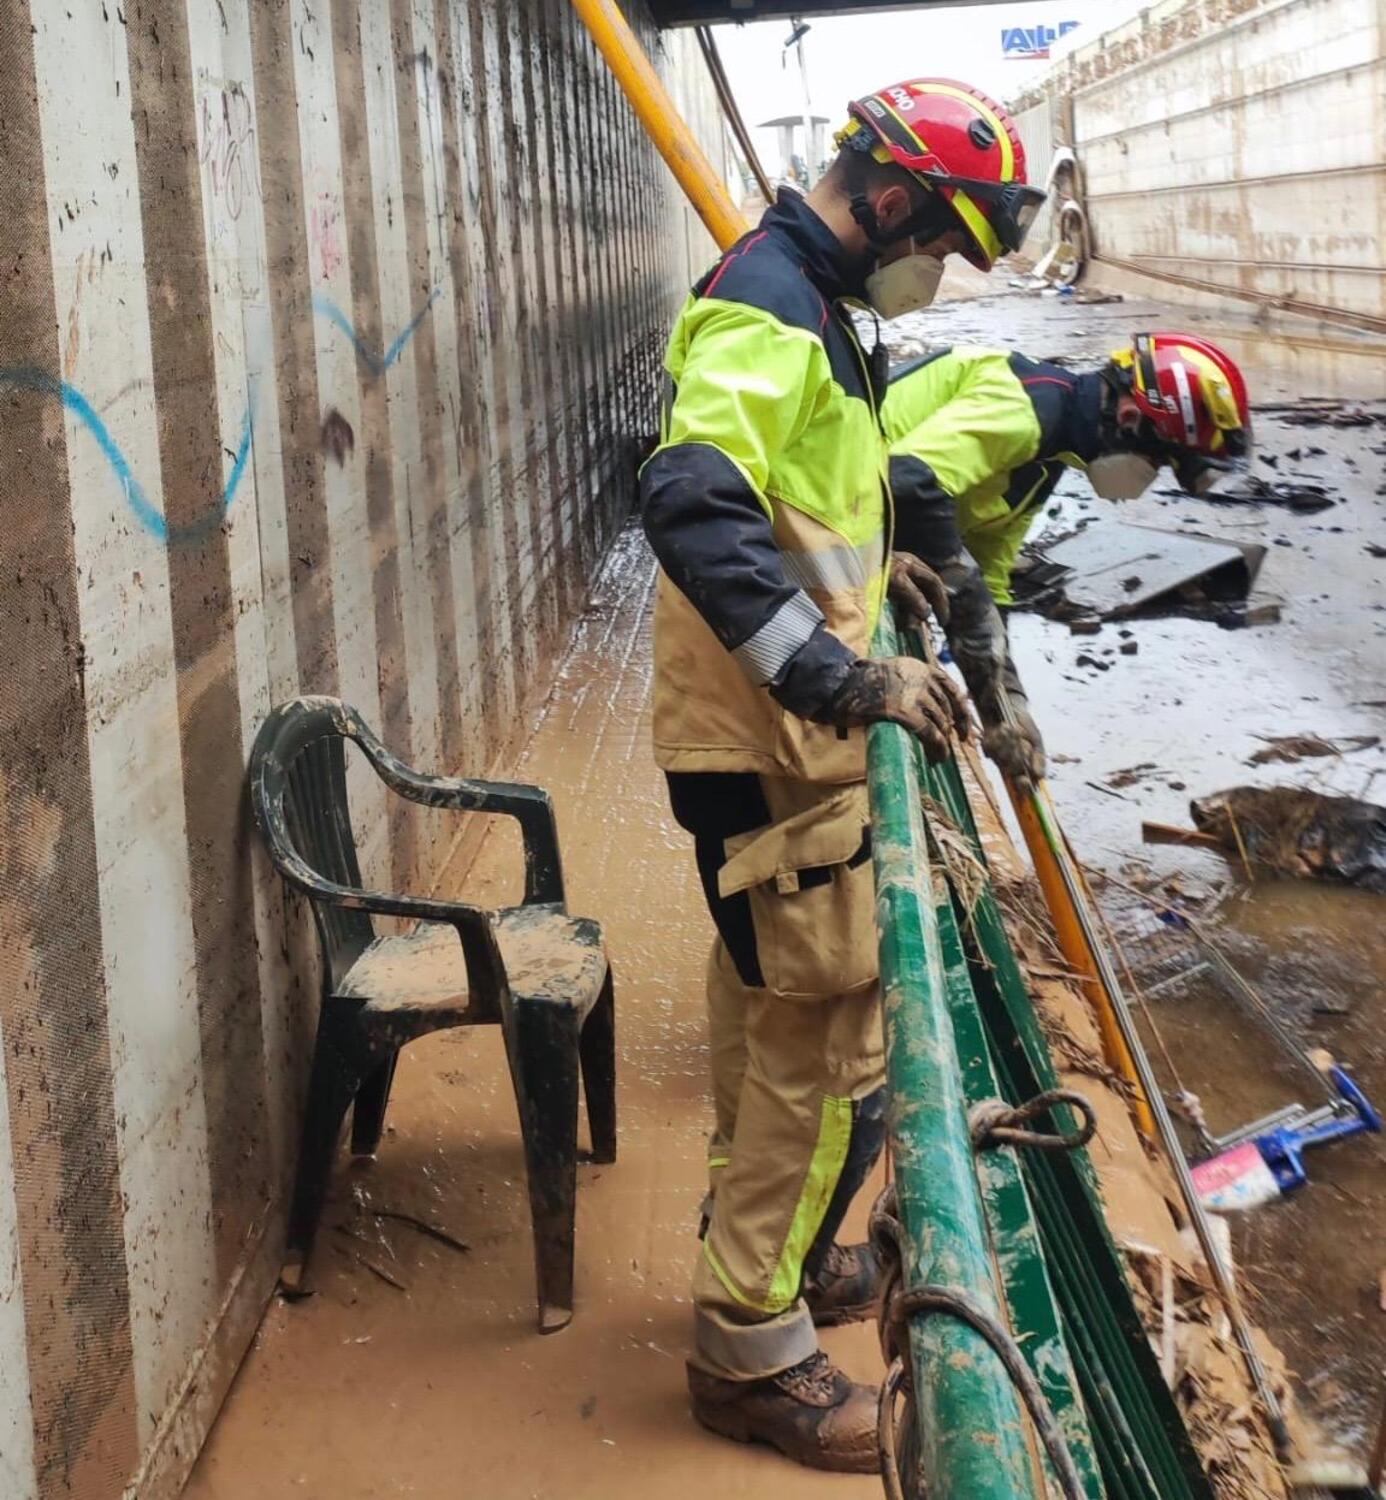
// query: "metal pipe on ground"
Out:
[657,112]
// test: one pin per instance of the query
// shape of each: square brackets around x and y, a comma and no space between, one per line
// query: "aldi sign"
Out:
[1032,43]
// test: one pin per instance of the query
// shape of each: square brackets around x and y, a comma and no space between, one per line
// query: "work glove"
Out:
[1010,735]
[916,590]
[905,691]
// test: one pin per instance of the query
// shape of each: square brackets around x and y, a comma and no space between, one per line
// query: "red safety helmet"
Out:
[1191,392]
[960,144]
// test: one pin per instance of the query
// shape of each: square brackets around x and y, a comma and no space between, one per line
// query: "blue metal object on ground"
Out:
[1284,1147]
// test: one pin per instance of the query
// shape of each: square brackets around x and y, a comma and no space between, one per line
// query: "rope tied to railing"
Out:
[899,1304]
[993,1122]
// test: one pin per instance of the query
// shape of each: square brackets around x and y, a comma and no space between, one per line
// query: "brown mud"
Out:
[1183,718]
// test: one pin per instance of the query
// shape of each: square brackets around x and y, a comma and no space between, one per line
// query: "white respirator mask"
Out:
[905,285]
[1121,476]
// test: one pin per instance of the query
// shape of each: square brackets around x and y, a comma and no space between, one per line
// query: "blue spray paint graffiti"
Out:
[31,378]
[26,377]
[377,364]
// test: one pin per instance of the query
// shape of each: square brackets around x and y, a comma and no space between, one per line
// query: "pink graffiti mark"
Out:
[324,227]
[228,148]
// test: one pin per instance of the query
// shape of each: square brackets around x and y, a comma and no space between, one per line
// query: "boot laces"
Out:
[839,1261]
[814,1377]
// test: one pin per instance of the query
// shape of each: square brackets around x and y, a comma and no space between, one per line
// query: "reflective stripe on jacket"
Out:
[766,505]
[994,432]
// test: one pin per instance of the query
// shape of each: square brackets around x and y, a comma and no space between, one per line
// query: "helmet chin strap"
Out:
[867,221]
[1115,438]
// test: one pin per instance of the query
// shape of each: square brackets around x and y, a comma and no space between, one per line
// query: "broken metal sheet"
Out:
[1115,569]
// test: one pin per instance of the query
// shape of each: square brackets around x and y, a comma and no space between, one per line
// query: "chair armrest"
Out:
[530,806]
[486,973]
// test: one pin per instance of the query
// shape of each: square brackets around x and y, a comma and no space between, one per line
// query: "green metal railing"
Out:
[1023,1233]
[967,1417]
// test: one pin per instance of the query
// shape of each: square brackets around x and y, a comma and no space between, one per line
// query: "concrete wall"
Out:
[1239,147]
[330,329]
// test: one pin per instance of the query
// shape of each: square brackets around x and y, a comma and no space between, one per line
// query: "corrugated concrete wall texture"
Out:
[1240,145]
[330,331]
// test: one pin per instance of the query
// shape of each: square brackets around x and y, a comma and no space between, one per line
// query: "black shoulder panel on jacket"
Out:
[1051,390]
[758,272]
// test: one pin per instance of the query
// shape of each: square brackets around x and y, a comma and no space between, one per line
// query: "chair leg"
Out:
[368,1113]
[542,1043]
[598,1046]
[334,1081]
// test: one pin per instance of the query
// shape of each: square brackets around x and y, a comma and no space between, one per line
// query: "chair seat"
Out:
[548,956]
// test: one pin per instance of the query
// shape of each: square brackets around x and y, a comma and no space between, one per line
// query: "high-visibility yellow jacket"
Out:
[979,438]
[766,503]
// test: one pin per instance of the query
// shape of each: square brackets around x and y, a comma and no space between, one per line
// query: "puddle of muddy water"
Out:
[1317,956]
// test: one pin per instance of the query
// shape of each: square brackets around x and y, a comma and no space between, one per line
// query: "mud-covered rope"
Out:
[898,1306]
[993,1122]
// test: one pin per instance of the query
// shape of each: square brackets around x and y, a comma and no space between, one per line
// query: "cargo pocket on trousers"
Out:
[812,897]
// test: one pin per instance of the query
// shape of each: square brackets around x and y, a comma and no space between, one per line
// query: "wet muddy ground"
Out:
[416,1369]
[1186,711]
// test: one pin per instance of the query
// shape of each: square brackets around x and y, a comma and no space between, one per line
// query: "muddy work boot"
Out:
[811,1412]
[844,1288]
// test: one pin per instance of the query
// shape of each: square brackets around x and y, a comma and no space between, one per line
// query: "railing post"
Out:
[972,1443]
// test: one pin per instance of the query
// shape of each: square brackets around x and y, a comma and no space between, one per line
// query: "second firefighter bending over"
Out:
[979,439]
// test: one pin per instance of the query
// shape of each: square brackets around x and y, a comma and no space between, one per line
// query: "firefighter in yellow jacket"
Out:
[767,504]
[979,439]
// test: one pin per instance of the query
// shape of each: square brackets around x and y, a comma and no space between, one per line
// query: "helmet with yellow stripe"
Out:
[1192,392]
[963,147]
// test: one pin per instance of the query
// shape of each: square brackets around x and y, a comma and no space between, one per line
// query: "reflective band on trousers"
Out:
[829,1154]
[833,568]
[783,635]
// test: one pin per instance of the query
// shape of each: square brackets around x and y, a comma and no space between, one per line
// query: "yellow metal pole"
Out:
[677,144]
[1065,892]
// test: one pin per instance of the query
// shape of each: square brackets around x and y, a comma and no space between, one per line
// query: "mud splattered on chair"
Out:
[535,971]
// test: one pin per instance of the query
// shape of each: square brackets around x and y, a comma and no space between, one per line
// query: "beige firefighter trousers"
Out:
[789,1059]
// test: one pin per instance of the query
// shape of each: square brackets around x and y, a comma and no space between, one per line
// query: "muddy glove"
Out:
[905,691]
[1010,735]
[916,590]
[977,638]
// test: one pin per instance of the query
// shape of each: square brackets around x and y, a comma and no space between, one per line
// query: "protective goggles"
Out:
[1011,207]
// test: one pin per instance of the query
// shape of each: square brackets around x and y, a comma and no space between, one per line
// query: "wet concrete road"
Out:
[1189,707]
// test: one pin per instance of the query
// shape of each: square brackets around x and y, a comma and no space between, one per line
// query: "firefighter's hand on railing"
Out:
[922,698]
[916,590]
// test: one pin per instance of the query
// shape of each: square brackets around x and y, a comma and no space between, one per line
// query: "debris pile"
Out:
[1295,831]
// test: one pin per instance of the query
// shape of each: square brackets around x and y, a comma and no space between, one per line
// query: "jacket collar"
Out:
[1080,429]
[809,240]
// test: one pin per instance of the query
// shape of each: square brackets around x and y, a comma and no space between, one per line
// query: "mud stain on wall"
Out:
[52,972]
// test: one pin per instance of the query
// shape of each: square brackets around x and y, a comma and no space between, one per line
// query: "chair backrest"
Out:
[299,798]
